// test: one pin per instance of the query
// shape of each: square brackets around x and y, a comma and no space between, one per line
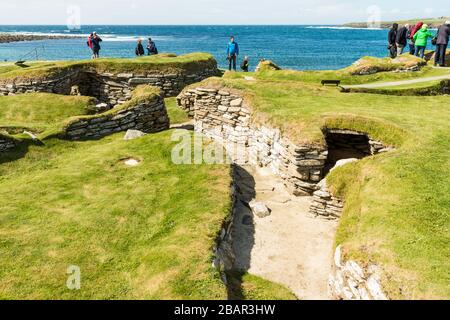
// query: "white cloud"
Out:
[213,11]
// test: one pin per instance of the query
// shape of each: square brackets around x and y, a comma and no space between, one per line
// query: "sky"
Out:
[168,12]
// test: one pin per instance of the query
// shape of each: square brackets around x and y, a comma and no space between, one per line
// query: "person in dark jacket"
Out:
[412,46]
[151,47]
[401,39]
[245,64]
[442,44]
[140,49]
[392,37]
[232,53]
[96,45]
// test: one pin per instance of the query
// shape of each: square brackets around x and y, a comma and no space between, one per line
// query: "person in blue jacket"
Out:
[232,53]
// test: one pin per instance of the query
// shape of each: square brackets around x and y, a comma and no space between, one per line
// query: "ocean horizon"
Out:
[299,47]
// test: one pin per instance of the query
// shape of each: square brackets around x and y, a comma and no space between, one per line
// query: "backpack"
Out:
[434,41]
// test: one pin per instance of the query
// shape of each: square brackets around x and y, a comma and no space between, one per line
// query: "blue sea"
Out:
[293,47]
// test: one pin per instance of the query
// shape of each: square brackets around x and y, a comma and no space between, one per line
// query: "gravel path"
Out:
[290,247]
[399,83]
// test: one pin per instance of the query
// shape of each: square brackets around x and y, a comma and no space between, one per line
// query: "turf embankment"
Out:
[143,94]
[397,211]
[37,112]
[166,63]
[135,232]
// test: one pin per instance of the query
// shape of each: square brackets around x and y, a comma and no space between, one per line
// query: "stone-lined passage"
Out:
[224,116]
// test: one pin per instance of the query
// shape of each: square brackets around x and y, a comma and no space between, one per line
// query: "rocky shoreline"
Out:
[7,37]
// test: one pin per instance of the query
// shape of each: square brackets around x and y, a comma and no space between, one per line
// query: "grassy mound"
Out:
[38,112]
[167,63]
[267,65]
[371,65]
[397,211]
[142,94]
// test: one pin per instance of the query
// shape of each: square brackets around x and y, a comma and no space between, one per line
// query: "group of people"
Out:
[94,44]
[151,48]
[417,38]
[232,50]
[232,56]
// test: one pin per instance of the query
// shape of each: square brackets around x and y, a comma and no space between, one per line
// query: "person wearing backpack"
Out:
[421,40]
[151,47]
[443,35]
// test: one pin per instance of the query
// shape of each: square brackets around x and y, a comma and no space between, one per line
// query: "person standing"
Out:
[392,37]
[232,53]
[412,48]
[140,49]
[90,44]
[96,45]
[401,39]
[442,44]
[151,47]
[412,45]
[421,40]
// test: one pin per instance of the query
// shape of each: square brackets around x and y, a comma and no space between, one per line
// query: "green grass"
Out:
[136,233]
[162,63]
[176,115]
[315,77]
[249,287]
[414,89]
[39,111]
[397,204]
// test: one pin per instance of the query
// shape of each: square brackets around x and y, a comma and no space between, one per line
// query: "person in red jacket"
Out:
[412,45]
[90,44]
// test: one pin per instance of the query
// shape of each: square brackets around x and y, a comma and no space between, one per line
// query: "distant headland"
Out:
[10,37]
[432,22]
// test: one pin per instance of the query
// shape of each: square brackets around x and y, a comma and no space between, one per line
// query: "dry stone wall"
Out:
[6,144]
[111,88]
[225,117]
[350,281]
[149,117]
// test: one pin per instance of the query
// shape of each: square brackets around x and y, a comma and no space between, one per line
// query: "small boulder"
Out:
[101,107]
[133,134]
[259,209]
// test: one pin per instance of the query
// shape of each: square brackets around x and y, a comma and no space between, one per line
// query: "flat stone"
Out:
[131,162]
[259,209]
[133,134]
[236,102]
